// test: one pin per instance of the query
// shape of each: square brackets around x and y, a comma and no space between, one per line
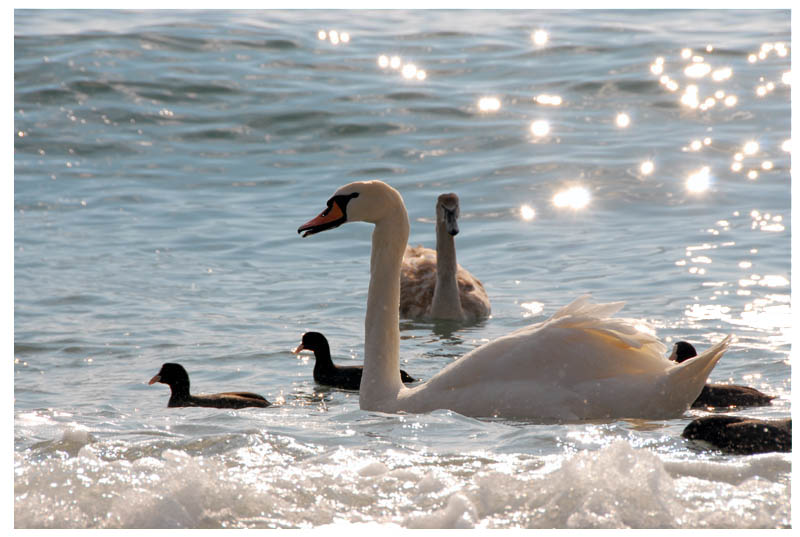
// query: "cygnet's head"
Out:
[361,201]
[447,212]
[682,351]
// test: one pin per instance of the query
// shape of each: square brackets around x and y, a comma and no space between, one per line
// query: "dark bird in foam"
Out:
[720,395]
[176,377]
[347,377]
[743,436]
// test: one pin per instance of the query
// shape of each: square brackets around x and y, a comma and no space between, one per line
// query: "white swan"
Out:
[579,364]
[432,283]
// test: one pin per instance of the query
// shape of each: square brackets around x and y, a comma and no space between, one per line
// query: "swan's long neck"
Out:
[446,302]
[380,382]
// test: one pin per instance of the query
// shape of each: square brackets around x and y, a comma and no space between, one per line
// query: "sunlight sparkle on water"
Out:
[540,37]
[722,74]
[540,127]
[532,308]
[552,100]
[699,181]
[690,97]
[527,213]
[647,167]
[489,104]
[576,197]
[750,148]
[409,70]
[708,103]
[786,146]
[697,70]
[766,222]
[334,36]
[623,120]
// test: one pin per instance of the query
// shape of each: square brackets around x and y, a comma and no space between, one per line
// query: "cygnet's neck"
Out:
[380,383]
[446,302]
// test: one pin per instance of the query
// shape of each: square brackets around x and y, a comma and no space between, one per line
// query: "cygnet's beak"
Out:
[298,349]
[451,222]
[155,379]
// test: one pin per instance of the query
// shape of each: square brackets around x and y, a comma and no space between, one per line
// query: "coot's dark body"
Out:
[346,377]
[743,436]
[720,395]
[176,377]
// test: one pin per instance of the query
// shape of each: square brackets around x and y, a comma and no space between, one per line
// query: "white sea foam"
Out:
[617,486]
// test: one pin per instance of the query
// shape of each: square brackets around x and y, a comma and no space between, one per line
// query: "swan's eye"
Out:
[340,200]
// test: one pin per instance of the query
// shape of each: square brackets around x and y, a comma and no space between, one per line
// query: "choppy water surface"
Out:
[164,160]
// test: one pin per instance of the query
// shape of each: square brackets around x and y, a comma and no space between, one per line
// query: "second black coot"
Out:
[347,377]
[720,395]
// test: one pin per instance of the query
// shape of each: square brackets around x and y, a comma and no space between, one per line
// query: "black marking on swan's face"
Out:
[333,216]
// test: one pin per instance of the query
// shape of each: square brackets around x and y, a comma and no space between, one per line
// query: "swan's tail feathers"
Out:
[690,376]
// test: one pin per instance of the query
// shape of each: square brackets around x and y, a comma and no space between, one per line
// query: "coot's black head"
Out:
[172,375]
[312,341]
[682,351]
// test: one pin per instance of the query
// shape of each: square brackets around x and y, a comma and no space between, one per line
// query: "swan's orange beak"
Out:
[331,217]
[298,349]
[155,379]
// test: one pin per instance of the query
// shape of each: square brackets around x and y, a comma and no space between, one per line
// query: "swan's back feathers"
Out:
[584,316]
[580,363]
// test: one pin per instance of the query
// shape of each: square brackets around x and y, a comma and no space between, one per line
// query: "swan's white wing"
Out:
[577,344]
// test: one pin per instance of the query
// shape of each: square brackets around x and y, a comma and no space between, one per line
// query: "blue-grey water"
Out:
[164,160]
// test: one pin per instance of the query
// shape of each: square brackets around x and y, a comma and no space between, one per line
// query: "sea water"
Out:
[163,161]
